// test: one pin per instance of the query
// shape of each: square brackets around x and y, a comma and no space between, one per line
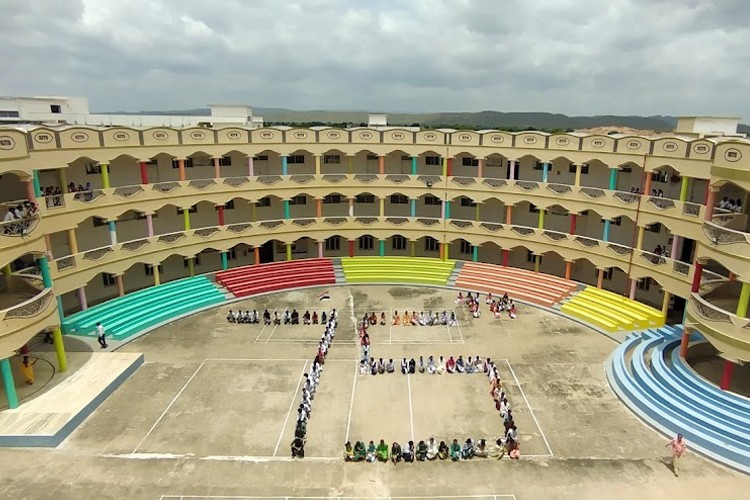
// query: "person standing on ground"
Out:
[27,368]
[678,450]
[101,335]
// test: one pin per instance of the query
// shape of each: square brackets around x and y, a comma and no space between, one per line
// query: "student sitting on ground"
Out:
[467,452]
[348,452]
[266,317]
[276,319]
[450,366]
[432,449]
[497,450]
[396,319]
[373,320]
[459,298]
[406,319]
[481,449]
[323,318]
[408,452]
[363,368]
[315,317]
[256,320]
[431,368]
[381,366]
[287,317]
[460,365]
[372,452]
[440,367]
[421,366]
[455,451]
[382,318]
[382,451]
[414,318]
[452,321]
[360,453]
[512,311]
[421,452]
[306,318]
[404,366]
[396,454]
[373,366]
[390,367]
[489,299]
[295,317]
[443,451]
[231,317]
[470,368]
[298,448]
[412,366]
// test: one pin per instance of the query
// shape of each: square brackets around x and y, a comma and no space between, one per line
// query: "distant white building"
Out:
[59,110]
[708,126]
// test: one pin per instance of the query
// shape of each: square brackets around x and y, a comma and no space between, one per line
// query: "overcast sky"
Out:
[569,56]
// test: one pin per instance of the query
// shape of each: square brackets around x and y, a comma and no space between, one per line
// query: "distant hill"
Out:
[479,120]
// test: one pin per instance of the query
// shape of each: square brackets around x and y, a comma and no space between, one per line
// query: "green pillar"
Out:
[7,271]
[224,261]
[60,310]
[382,248]
[186,218]
[57,338]
[605,234]
[413,165]
[286,209]
[613,178]
[288,251]
[447,209]
[413,245]
[105,175]
[684,188]
[475,253]
[44,268]
[744,299]
[10,385]
[37,186]
[191,266]
[541,219]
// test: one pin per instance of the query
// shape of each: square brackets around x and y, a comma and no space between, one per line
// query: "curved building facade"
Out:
[122,209]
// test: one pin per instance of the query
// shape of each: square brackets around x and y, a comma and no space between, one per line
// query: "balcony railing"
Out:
[722,236]
[18,228]
[28,308]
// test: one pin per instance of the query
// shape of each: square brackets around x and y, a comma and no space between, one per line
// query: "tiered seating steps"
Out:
[408,270]
[648,374]
[610,311]
[277,276]
[125,316]
[528,286]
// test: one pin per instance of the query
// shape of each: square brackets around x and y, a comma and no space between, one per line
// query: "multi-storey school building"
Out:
[123,208]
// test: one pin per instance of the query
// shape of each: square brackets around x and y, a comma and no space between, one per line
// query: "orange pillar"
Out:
[568,269]
[256,252]
[318,208]
[647,184]
[217,167]
[181,168]
[599,278]
[509,215]
[441,247]
[685,341]
[120,285]
[726,376]
[381,165]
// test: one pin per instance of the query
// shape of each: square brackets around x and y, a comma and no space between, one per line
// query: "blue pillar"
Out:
[224,262]
[284,165]
[382,248]
[613,178]
[8,383]
[545,172]
[605,236]
[60,310]
[44,268]
[286,209]
[447,205]
[38,187]
[113,232]
[413,207]
[413,166]
[475,253]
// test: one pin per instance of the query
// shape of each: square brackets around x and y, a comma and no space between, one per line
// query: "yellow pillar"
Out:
[105,175]
[57,339]
[537,261]
[252,212]
[186,218]
[382,207]
[639,242]
[191,266]
[317,164]
[476,213]
[288,251]
[120,285]
[578,175]
[72,241]
[62,176]
[665,304]
[446,251]
[157,280]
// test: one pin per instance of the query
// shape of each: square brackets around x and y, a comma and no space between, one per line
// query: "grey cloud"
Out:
[569,56]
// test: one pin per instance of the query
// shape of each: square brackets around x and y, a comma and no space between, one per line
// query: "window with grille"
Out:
[432,160]
[365,198]
[108,279]
[366,242]
[331,159]
[149,269]
[584,169]
[398,243]
[431,244]
[432,200]
[331,199]
[298,200]
[467,202]
[399,199]
[466,247]
[333,243]
[263,202]
[468,161]
[295,159]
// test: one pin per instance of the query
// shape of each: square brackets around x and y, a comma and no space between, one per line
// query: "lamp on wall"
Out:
[715,240]
[429,184]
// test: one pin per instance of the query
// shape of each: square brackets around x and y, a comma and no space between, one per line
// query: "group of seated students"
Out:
[17,218]
[372,366]
[731,205]
[424,319]
[430,450]
[287,317]
[311,382]
[497,306]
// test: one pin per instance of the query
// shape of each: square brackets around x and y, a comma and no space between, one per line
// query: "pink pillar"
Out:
[82,299]
[30,194]
[600,278]
[250,166]
[480,167]
[710,203]
[120,285]
[149,225]
[633,283]
[217,167]
[512,169]
[320,249]
[726,375]
[675,244]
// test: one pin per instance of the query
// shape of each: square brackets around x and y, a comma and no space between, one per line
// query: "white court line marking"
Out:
[291,405]
[411,412]
[448,326]
[390,326]
[351,402]
[458,323]
[264,327]
[531,410]
[276,326]
[169,406]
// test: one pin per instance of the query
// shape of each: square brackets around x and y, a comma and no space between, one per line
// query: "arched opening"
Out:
[398,162]
[92,232]
[521,257]
[465,165]
[584,271]
[594,173]
[366,244]
[199,165]
[429,206]
[397,245]
[366,205]
[557,218]
[235,164]
[302,206]
[267,162]
[12,188]
[731,210]
[490,253]
[430,163]
[124,171]
[236,211]
[335,246]
[492,210]
[334,161]
[397,205]
[162,167]
[529,168]
[170,219]
[365,162]
[495,166]
[461,249]
[336,205]
[560,171]
[629,177]
[552,263]
[304,248]
[463,208]
[665,182]
[427,246]
[300,162]
[270,207]
[525,214]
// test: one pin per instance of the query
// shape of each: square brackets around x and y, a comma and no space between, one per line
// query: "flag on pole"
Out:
[324,296]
